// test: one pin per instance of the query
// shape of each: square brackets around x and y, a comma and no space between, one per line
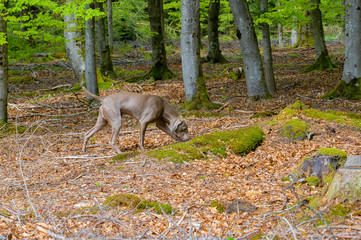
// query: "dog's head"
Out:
[180,128]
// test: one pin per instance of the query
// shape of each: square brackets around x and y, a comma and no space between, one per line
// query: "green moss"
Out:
[323,62]
[314,202]
[219,206]
[351,90]
[7,129]
[339,210]
[201,99]
[133,201]
[313,181]
[294,129]
[240,141]
[263,114]
[124,156]
[332,152]
[22,79]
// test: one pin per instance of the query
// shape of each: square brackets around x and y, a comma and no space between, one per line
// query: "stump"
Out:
[346,184]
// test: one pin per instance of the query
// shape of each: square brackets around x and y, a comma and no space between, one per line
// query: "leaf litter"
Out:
[45,178]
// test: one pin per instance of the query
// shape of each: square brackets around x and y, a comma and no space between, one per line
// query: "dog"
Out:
[144,108]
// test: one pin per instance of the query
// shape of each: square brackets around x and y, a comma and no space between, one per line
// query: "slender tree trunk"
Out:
[3,72]
[193,80]
[294,33]
[350,85]
[90,62]
[73,48]
[110,25]
[280,32]
[323,60]
[106,65]
[267,52]
[159,68]
[214,53]
[256,83]
[305,34]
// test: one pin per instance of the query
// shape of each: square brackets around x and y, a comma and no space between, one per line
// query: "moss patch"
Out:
[133,201]
[7,129]
[219,206]
[294,129]
[351,90]
[263,114]
[124,156]
[214,145]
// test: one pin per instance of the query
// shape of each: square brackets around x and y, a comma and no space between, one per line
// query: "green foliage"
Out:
[131,21]
[214,145]
[294,129]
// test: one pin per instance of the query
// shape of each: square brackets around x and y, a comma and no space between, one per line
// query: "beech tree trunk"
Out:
[323,60]
[159,68]
[106,65]
[214,52]
[350,85]
[3,73]
[110,25]
[267,52]
[90,62]
[193,80]
[256,83]
[73,48]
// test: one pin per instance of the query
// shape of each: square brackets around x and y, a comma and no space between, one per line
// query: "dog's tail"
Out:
[100,99]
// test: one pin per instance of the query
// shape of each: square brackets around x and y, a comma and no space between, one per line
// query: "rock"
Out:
[40,55]
[320,165]
[240,206]
[346,184]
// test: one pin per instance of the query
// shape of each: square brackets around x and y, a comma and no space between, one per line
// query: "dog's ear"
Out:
[174,125]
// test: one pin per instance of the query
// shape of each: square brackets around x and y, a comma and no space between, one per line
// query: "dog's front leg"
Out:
[162,126]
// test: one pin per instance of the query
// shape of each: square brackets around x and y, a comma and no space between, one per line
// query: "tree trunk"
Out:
[3,72]
[280,32]
[214,53]
[90,64]
[72,37]
[350,85]
[159,68]
[267,52]
[256,84]
[193,80]
[323,60]
[294,33]
[106,65]
[305,34]
[110,25]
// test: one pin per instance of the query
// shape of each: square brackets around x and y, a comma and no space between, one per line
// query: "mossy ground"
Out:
[294,129]
[214,145]
[351,90]
[7,129]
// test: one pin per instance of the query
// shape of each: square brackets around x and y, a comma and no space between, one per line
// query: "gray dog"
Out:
[144,108]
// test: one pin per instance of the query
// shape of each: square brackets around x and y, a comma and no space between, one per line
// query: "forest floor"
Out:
[46,180]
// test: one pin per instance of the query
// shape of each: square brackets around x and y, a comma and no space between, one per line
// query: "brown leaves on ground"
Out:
[45,177]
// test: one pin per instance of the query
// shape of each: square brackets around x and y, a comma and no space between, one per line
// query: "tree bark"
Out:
[110,25]
[4,65]
[73,48]
[214,53]
[267,52]
[106,65]
[193,80]
[159,68]
[90,63]
[256,84]
[323,60]
[350,85]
